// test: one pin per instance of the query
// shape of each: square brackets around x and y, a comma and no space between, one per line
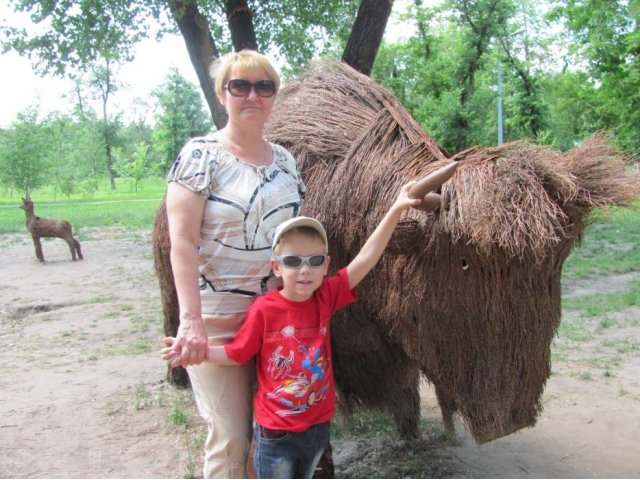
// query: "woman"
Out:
[227,192]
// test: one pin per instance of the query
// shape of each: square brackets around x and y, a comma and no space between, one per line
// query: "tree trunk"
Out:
[108,128]
[240,21]
[112,173]
[202,52]
[366,34]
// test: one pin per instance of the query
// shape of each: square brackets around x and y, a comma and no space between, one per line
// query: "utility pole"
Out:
[499,72]
[500,138]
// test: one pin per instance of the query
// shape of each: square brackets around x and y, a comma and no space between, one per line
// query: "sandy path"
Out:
[82,393]
[69,363]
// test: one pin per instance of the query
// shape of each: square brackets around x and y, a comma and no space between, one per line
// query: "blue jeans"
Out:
[290,454]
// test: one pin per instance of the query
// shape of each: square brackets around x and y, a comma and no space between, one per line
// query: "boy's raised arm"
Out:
[373,248]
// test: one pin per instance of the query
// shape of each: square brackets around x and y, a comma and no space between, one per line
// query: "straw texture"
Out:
[468,295]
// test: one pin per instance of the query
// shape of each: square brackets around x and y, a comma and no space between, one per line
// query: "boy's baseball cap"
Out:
[296,222]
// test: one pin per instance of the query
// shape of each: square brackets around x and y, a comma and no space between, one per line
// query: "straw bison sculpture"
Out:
[467,295]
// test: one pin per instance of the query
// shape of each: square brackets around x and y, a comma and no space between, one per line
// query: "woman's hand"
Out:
[190,345]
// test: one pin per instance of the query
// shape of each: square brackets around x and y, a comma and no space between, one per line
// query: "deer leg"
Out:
[77,245]
[72,246]
[38,245]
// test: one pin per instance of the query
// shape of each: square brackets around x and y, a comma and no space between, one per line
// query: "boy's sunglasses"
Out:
[239,87]
[296,261]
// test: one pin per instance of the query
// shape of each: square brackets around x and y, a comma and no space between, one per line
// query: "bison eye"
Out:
[465,265]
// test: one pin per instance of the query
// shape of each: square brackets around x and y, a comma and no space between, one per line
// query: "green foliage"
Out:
[24,156]
[573,111]
[182,117]
[607,37]
[559,85]
[446,75]
[293,30]
[76,153]
[74,34]
[134,164]
[421,73]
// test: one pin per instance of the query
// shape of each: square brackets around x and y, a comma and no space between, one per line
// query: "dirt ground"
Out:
[83,392]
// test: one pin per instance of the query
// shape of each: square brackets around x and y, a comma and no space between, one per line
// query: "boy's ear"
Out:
[325,267]
[275,266]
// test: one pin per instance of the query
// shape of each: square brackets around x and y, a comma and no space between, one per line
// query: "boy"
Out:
[288,332]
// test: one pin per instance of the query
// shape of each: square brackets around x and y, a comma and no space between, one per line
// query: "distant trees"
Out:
[24,162]
[134,165]
[569,68]
[69,152]
[604,38]
[181,117]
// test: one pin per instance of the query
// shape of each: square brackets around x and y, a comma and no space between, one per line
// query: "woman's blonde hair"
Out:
[244,59]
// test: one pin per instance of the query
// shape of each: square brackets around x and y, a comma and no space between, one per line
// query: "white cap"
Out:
[296,222]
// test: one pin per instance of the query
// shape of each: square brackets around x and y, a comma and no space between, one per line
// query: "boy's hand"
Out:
[169,354]
[404,201]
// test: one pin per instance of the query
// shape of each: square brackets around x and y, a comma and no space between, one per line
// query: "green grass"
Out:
[179,417]
[586,376]
[363,422]
[142,396]
[121,207]
[623,345]
[574,332]
[151,187]
[610,245]
[601,304]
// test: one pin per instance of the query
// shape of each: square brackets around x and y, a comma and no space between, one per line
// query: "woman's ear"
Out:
[222,100]
[275,266]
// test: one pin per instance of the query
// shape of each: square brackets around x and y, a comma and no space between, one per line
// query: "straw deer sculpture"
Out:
[44,227]
[467,296]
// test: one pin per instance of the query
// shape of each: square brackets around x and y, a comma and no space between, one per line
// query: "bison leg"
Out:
[406,414]
[178,376]
[325,468]
[447,409]
[38,245]
[168,296]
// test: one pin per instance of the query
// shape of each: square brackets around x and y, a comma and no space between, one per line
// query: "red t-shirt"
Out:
[292,342]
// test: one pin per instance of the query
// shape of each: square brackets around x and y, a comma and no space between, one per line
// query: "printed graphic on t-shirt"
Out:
[300,369]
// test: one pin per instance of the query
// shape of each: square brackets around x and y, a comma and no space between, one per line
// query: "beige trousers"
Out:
[224,395]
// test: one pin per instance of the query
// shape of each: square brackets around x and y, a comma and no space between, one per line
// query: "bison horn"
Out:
[430,202]
[432,181]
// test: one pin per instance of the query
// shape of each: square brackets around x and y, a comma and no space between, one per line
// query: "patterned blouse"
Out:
[244,205]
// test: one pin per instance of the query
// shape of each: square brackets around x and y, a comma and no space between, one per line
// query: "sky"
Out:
[21,88]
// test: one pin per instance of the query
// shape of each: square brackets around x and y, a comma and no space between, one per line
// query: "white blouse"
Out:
[244,205]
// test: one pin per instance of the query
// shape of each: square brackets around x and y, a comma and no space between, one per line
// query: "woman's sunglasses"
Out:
[296,261]
[239,87]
